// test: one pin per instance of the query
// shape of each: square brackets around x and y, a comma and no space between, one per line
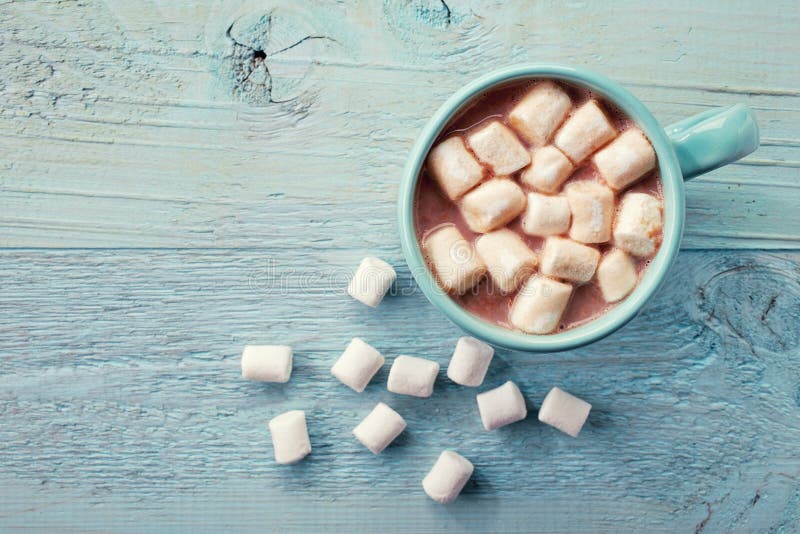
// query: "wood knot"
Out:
[424,26]
[756,303]
[413,13]
[272,55]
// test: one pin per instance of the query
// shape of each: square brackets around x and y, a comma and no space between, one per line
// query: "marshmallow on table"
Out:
[492,204]
[540,112]
[453,167]
[564,412]
[548,169]
[448,477]
[507,257]
[412,376]
[357,365]
[538,306]
[564,258]
[290,437]
[586,130]
[453,259]
[501,406]
[626,159]
[378,429]
[372,280]
[546,215]
[470,362]
[616,275]
[498,147]
[638,227]
[592,207]
[267,363]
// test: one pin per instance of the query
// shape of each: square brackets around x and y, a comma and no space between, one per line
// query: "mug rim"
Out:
[607,323]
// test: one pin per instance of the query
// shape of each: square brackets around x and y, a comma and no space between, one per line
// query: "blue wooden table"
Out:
[181,178]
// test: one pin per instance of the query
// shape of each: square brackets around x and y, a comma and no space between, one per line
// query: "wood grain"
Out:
[178,179]
[112,114]
[128,385]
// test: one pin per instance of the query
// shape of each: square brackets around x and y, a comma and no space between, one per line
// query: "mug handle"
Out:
[713,138]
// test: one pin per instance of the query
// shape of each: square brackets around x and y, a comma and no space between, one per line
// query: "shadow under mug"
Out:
[685,149]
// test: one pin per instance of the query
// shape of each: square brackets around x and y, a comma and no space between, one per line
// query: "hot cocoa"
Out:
[539,206]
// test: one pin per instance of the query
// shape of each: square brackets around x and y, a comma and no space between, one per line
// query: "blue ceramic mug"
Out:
[685,149]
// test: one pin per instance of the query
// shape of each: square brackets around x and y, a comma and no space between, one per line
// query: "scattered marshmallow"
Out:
[498,147]
[267,363]
[592,207]
[492,204]
[626,159]
[639,224]
[564,412]
[501,406]
[507,257]
[290,437]
[538,306]
[357,365]
[453,167]
[546,215]
[455,263]
[586,130]
[540,112]
[470,362]
[372,280]
[448,477]
[378,429]
[412,376]
[616,275]
[564,258]
[548,169]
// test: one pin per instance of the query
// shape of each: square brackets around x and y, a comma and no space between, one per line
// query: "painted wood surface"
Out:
[180,178]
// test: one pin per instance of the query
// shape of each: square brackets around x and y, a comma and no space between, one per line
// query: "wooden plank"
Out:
[121,393]
[229,505]
[121,129]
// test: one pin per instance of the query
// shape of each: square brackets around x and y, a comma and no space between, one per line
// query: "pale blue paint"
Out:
[159,209]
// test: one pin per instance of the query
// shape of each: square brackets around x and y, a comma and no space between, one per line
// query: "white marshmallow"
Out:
[626,159]
[507,257]
[453,167]
[372,280]
[492,204]
[453,259]
[470,362]
[564,412]
[639,224]
[592,207]
[501,406]
[378,429]
[540,112]
[586,130]
[412,376]
[290,437]
[546,215]
[564,258]
[498,147]
[448,477]
[616,275]
[538,306]
[357,365]
[548,169]
[267,363]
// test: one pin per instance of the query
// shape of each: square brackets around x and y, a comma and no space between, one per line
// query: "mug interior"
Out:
[608,322]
